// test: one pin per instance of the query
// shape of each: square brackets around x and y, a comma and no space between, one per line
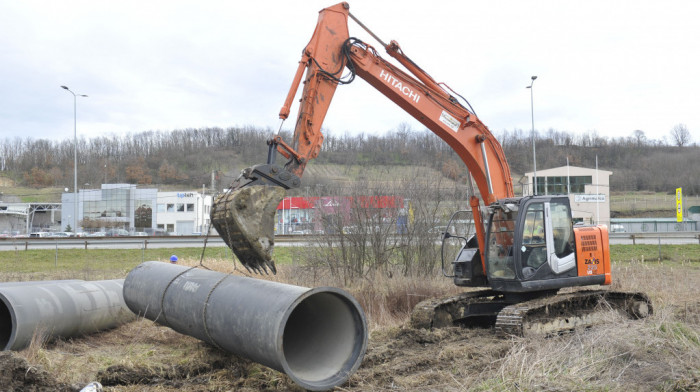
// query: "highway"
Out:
[6,244]
[130,242]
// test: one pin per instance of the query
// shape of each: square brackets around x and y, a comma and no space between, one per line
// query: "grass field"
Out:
[659,353]
[648,204]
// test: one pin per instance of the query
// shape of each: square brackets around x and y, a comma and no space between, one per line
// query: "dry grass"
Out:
[660,353]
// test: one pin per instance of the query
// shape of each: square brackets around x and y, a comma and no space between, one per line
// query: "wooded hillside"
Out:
[186,158]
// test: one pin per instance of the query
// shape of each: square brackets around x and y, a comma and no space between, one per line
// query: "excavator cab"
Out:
[531,246]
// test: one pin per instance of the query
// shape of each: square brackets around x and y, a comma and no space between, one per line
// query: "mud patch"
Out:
[415,359]
[17,375]
[208,364]
[208,370]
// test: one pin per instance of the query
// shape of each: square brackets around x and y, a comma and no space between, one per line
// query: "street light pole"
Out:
[75,156]
[534,154]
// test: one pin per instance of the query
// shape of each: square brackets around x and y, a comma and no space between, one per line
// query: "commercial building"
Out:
[113,206]
[588,190]
[306,215]
[124,206]
[25,218]
[183,213]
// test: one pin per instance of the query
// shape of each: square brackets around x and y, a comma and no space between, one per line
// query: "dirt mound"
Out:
[408,358]
[207,369]
[175,376]
[18,375]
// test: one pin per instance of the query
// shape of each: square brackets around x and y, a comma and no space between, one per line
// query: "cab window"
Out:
[562,228]
[500,246]
[534,249]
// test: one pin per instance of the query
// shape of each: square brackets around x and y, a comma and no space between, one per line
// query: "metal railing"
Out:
[684,237]
[675,237]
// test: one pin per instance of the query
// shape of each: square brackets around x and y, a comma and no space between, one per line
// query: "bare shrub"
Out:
[390,228]
[37,345]
[390,301]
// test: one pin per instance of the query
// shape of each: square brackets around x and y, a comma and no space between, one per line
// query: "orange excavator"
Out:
[523,249]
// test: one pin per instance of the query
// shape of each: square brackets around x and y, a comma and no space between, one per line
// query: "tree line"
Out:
[187,157]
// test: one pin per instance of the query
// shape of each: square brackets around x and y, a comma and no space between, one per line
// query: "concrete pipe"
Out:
[37,282]
[59,309]
[318,337]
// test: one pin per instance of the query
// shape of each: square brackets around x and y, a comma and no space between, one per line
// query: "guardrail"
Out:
[180,241]
[673,237]
[186,241]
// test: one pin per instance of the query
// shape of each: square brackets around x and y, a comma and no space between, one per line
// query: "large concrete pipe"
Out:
[318,337]
[37,282]
[59,309]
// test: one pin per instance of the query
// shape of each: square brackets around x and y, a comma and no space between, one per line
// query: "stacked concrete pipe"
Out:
[318,336]
[59,309]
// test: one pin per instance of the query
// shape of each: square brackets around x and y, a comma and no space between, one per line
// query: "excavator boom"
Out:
[324,60]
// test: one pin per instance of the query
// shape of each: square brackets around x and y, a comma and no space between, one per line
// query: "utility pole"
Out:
[75,156]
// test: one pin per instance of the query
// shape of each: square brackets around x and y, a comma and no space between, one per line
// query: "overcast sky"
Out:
[609,66]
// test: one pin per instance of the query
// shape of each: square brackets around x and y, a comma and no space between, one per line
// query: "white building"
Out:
[588,190]
[183,213]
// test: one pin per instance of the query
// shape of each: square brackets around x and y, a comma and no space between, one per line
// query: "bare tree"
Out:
[639,137]
[680,135]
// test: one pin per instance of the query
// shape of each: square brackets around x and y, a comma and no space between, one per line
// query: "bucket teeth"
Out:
[245,220]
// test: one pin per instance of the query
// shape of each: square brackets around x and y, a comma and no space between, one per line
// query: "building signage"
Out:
[600,198]
[679,204]
[184,195]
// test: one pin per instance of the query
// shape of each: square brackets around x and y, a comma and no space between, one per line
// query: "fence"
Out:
[650,202]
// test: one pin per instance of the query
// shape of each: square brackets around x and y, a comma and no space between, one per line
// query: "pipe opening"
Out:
[323,339]
[5,324]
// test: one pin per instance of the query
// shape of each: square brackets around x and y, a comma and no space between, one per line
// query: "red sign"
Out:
[306,203]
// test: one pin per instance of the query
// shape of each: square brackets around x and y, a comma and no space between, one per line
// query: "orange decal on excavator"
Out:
[591,255]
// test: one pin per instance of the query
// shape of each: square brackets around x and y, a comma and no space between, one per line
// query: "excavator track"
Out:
[446,312]
[544,315]
[563,313]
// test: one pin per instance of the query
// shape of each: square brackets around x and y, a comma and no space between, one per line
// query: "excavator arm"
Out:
[331,50]
[324,60]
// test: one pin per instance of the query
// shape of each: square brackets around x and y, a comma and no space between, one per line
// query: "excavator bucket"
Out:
[245,219]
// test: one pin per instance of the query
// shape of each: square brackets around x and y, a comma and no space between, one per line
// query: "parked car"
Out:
[157,232]
[617,228]
[116,233]
[97,234]
[61,234]
[140,234]
[40,234]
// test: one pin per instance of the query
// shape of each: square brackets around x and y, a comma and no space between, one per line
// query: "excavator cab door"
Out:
[547,237]
[461,259]
[501,263]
